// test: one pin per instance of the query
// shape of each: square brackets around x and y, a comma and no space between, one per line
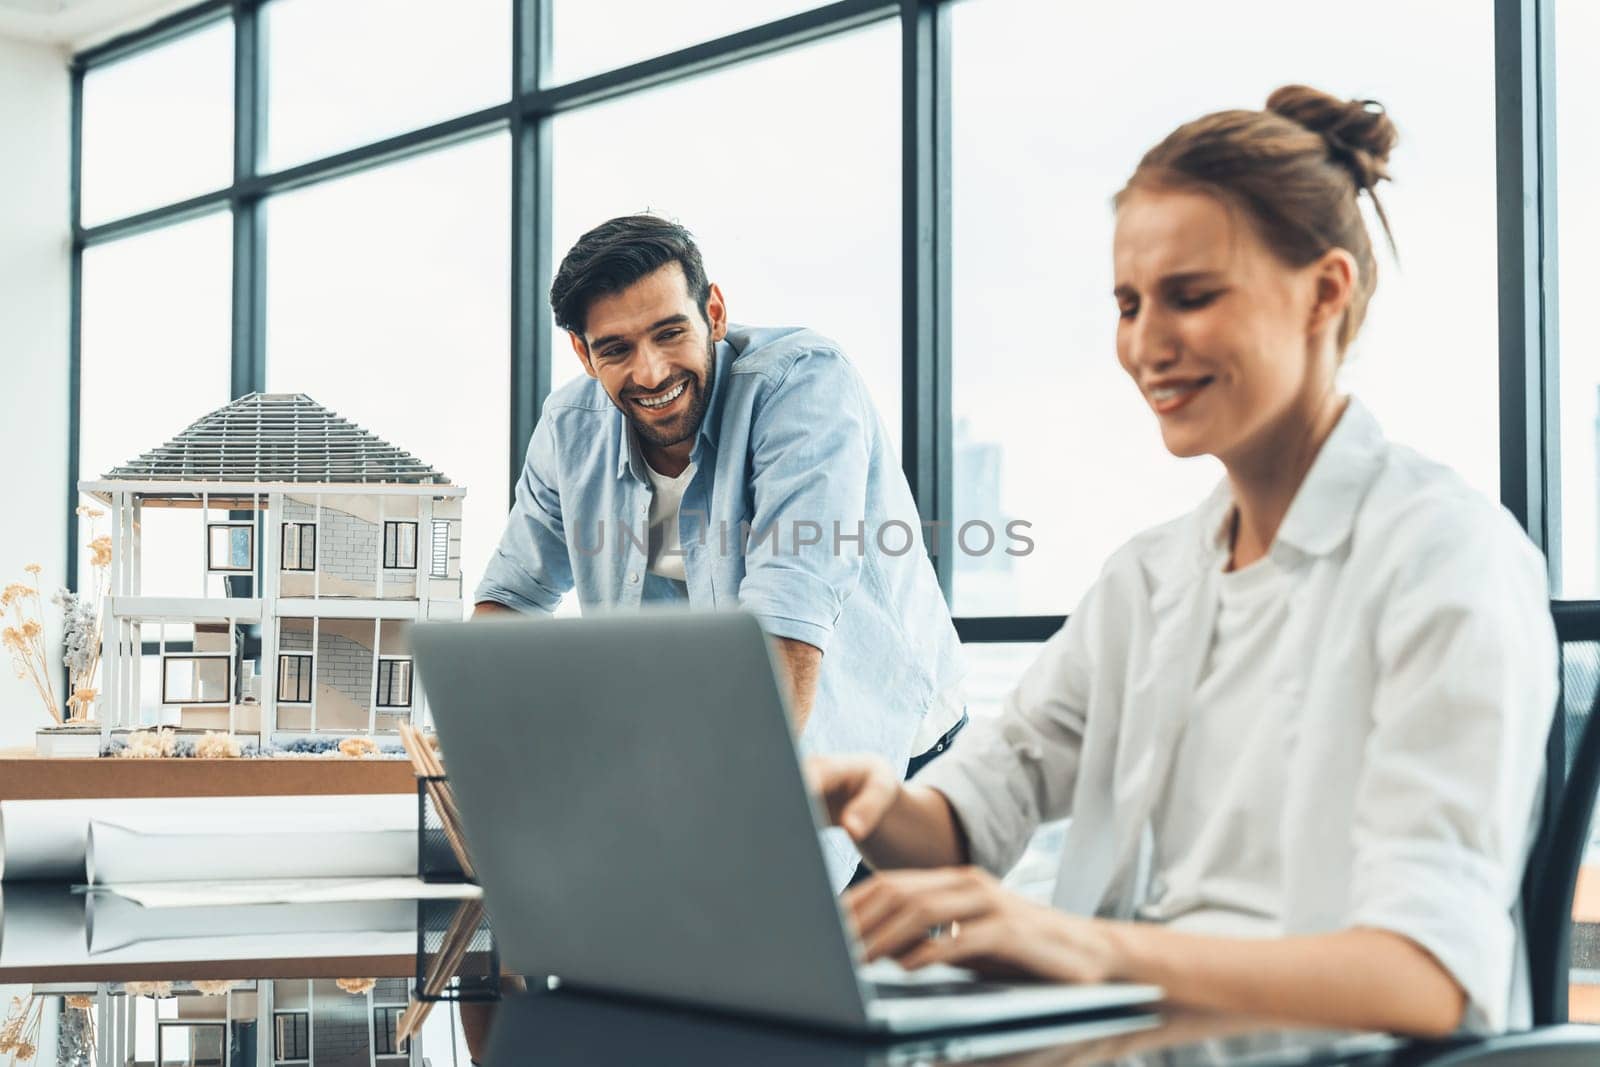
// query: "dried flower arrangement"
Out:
[80,635]
[216,745]
[356,986]
[25,639]
[358,747]
[19,1034]
[157,990]
[149,744]
[219,988]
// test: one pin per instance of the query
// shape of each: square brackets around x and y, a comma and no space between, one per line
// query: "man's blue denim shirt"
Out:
[798,512]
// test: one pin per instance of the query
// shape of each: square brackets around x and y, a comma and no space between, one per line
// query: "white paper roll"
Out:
[43,840]
[47,840]
[114,926]
[359,841]
[44,925]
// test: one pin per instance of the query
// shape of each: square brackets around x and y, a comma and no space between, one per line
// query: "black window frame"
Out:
[305,678]
[193,1026]
[211,564]
[223,657]
[391,546]
[299,1035]
[384,691]
[385,1024]
[300,531]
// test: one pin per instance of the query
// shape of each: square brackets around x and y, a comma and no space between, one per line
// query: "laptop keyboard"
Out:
[909,990]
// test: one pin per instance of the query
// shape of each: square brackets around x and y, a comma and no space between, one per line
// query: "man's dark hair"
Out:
[613,256]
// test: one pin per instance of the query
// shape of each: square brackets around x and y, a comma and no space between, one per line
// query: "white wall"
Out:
[35,267]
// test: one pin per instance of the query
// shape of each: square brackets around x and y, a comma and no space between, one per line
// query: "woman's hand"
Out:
[857,791]
[893,824]
[977,924]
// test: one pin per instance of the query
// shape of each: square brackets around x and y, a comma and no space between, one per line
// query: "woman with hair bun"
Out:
[1298,731]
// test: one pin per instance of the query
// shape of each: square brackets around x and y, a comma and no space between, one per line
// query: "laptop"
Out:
[634,804]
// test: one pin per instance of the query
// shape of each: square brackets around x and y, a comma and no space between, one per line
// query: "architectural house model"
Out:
[266,565]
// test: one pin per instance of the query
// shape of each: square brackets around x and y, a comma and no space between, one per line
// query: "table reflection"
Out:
[313,1022]
[95,981]
[564,1029]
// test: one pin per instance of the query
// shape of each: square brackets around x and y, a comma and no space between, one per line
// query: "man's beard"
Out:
[685,426]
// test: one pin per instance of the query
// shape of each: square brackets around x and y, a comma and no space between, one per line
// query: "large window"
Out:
[1038,390]
[387,301]
[341,73]
[382,234]
[158,126]
[154,339]
[595,35]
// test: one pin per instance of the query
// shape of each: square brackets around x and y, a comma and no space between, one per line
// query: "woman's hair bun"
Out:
[1359,133]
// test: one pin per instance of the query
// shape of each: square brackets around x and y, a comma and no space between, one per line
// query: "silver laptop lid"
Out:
[580,751]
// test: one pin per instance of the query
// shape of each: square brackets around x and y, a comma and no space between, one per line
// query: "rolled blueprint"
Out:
[159,839]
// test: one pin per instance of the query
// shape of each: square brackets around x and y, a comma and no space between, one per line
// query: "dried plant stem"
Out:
[19,1036]
[38,649]
[31,658]
[452,950]
[427,765]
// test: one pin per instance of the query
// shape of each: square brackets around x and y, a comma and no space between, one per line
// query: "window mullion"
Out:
[1525,156]
[926,453]
[249,231]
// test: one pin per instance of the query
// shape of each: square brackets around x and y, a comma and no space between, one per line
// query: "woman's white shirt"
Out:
[1403,701]
[1215,863]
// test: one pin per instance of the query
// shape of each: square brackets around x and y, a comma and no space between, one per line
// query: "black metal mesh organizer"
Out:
[436,860]
[476,977]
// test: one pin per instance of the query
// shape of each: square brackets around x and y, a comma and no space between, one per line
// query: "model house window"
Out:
[196,680]
[191,1044]
[385,1024]
[291,1036]
[232,546]
[299,546]
[399,546]
[294,679]
[394,683]
[440,567]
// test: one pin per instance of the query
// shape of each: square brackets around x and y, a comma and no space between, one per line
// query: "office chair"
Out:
[1572,780]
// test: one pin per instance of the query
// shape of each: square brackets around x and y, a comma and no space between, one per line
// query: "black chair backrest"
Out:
[1572,780]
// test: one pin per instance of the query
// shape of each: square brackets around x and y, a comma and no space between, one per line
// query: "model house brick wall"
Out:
[347,546]
[350,546]
[339,1032]
[346,666]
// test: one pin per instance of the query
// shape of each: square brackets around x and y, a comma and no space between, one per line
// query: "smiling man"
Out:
[724,466]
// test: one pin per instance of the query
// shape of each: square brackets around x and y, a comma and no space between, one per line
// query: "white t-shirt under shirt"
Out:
[666,560]
[666,500]
[1217,866]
